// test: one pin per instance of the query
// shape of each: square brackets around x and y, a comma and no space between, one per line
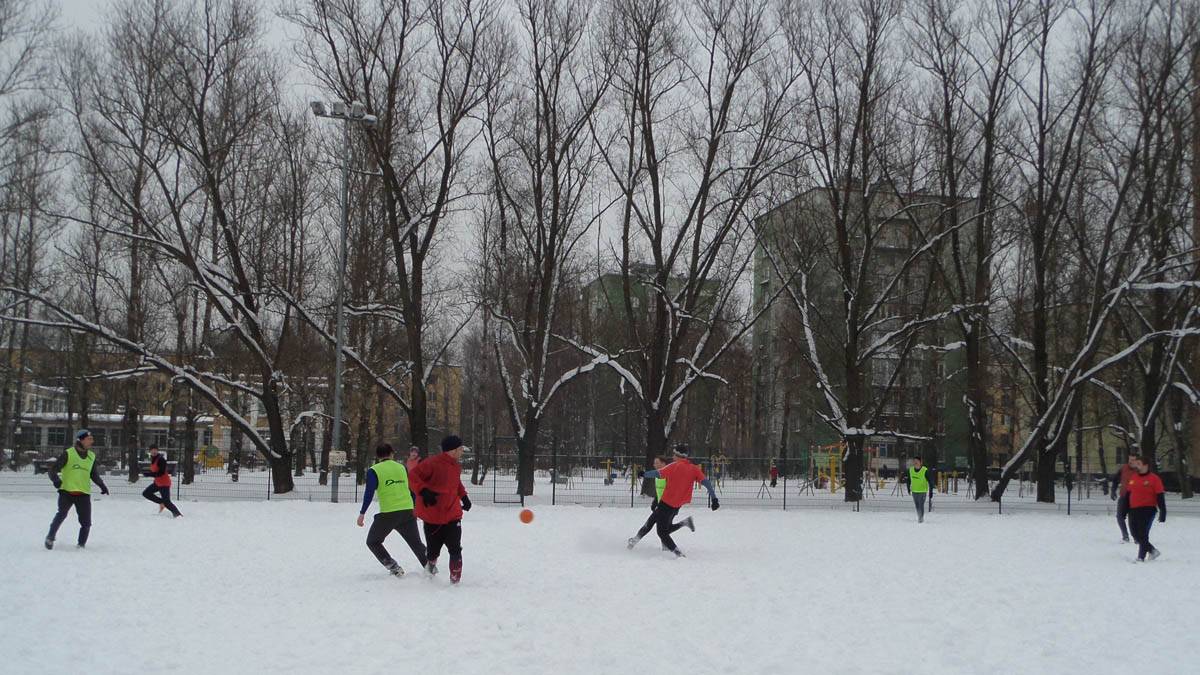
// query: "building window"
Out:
[101,436]
[159,437]
[207,436]
[56,436]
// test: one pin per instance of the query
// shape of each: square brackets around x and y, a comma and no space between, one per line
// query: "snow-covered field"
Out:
[289,587]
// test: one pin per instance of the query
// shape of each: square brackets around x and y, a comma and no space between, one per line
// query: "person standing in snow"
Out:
[1120,492]
[660,484]
[389,479]
[918,485]
[1146,497]
[161,483]
[441,501]
[680,475]
[414,458]
[774,473]
[72,476]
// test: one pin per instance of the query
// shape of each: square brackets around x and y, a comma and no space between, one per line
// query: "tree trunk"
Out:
[852,468]
[1181,450]
[326,444]
[656,445]
[526,455]
[296,434]
[977,439]
[189,444]
[235,451]
[130,425]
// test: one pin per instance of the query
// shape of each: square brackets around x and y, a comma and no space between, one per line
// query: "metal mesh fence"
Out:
[740,483]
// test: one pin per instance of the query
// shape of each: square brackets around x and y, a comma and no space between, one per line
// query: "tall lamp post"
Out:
[353,113]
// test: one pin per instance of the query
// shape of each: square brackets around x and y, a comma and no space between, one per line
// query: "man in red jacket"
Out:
[161,484]
[1146,497]
[681,476]
[441,500]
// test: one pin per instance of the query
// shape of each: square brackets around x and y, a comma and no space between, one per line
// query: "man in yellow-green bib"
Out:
[73,476]
[389,479]
[918,484]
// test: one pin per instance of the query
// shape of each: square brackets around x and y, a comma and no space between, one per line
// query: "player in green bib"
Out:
[389,479]
[918,485]
[660,484]
[73,476]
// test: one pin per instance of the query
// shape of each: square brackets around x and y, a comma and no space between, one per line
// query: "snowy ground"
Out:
[288,586]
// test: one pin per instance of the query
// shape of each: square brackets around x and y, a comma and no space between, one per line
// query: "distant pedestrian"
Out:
[389,479]
[73,475]
[161,484]
[774,473]
[918,485]
[1146,497]
[414,458]
[1120,492]
[441,501]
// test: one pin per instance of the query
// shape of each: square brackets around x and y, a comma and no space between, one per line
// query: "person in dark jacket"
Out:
[1120,492]
[441,501]
[72,476]
[389,479]
[1146,498]
[159,491]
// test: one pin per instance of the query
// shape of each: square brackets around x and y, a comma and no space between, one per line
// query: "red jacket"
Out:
[1144,490]
[162,479]
[681,475]
[443,475]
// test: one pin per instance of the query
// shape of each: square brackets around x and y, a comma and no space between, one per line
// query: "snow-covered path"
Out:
[290,587]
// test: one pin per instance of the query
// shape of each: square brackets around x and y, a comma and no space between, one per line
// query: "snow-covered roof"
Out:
[109,418]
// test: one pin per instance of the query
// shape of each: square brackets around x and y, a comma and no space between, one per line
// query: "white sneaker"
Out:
[396,570]
[1154,554]
[632,542]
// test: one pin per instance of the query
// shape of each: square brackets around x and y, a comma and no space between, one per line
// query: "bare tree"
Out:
[695,129]
[424,68]
[970,55]
[543,171]
[1114,154]
[171,120]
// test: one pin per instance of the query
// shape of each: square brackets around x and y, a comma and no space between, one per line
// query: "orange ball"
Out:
[526,516]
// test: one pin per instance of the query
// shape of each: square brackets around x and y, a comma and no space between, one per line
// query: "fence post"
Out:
[785,489]
[632,481]
[554,473]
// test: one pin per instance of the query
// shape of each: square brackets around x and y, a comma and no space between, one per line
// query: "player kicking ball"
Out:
[680,475]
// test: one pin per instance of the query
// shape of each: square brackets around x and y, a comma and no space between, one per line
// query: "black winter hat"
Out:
[451,443]
[681,450]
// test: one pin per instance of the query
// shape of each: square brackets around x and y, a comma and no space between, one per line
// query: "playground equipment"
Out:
[609,476]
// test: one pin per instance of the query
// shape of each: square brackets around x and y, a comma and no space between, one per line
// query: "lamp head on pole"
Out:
[339,109]
[318,108]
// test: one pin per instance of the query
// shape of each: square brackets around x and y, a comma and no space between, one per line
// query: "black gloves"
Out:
[716,504]
[1162,517]
[147,474]
[57,483]
[429,496]
[104,490]
[466,503]
[654,505]
[1113,494]
[641,474]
